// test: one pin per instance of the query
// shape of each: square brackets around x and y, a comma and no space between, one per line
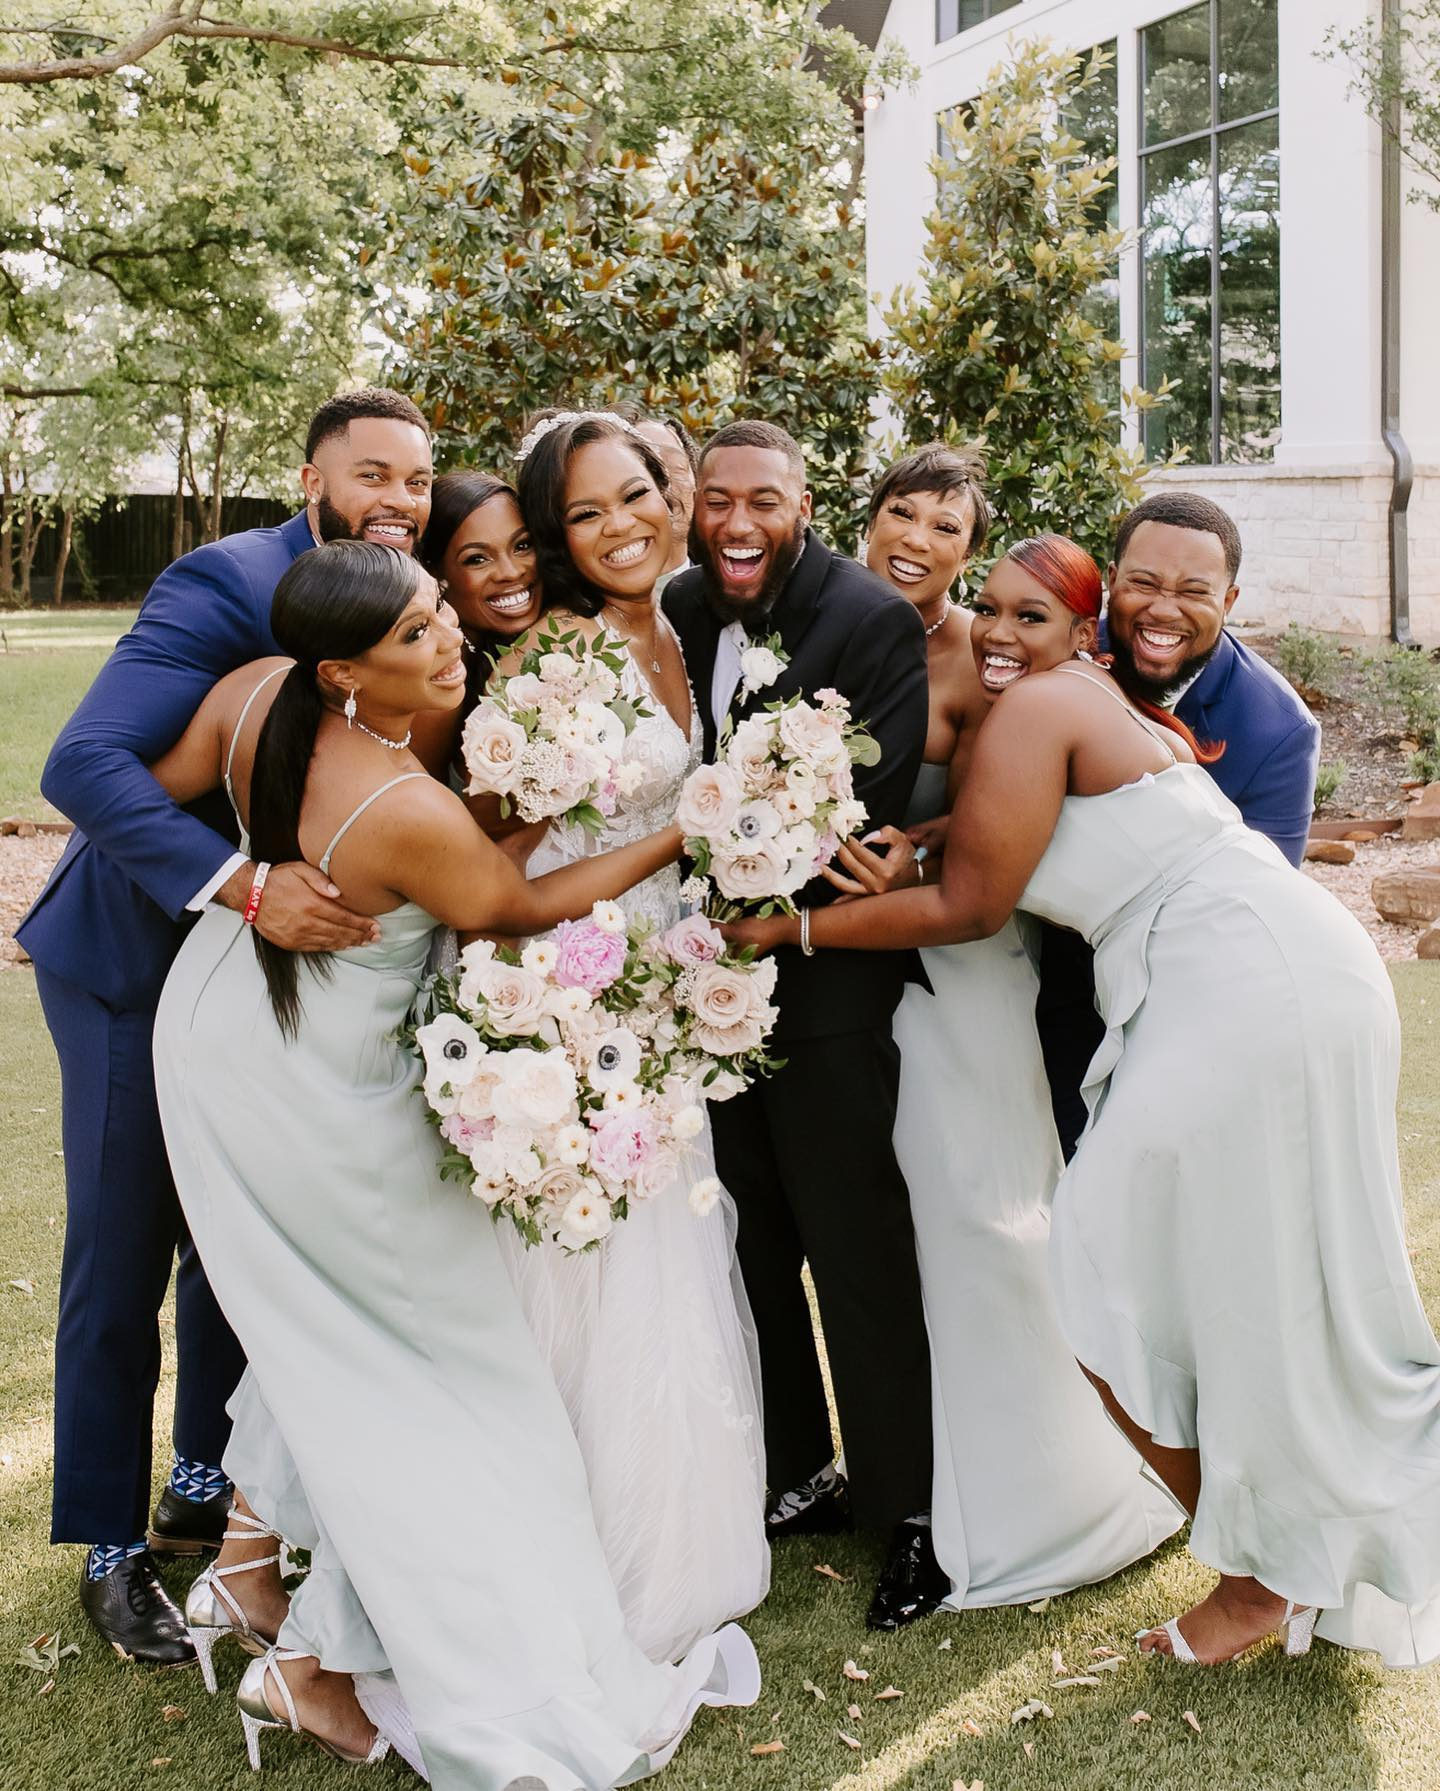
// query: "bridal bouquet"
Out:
[549,738]
[567,1079]
[770,813]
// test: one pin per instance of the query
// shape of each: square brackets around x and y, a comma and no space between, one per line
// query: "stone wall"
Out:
[1316,544]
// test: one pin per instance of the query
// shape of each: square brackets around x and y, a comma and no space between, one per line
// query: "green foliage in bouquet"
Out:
[999,346]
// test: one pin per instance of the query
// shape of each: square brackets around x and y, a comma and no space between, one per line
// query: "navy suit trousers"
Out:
[123,1230]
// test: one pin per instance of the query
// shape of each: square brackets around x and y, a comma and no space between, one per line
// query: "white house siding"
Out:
[1314,520]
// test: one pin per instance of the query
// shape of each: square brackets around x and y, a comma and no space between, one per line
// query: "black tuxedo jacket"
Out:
[844,629]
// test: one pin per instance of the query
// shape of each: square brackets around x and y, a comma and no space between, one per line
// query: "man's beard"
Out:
[786,559]
[333,526]
[1161,691]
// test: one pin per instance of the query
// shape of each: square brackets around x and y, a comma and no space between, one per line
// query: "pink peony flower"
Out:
[464,1133]
[587,957]
[693,941]
[623,1144]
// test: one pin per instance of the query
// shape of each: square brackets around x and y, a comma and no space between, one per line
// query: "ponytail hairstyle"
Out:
[545,460]
[335,602]
[1067,572]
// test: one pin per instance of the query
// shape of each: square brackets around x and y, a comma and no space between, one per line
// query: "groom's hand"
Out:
[300,910]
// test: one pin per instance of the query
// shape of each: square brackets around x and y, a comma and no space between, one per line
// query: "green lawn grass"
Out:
[1331,1722]
[48,659]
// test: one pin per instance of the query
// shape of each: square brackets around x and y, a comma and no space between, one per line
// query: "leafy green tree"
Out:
[1000,345]
[561,268]
[1403,63]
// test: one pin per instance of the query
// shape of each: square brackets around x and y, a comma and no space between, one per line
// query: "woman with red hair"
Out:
[1227,1248]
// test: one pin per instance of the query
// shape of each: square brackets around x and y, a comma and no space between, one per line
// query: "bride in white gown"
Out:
[649,1338]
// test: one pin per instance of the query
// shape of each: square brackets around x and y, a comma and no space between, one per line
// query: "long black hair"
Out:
[542,503]
[335,602]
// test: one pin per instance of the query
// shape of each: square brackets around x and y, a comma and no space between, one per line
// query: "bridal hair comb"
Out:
[560,419]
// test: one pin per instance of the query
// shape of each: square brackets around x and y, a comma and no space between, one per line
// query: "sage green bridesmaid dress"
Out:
[397,1414]
[1228,1245]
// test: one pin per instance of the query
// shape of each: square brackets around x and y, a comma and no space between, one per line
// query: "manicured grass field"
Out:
[48,659]
[1332,1722]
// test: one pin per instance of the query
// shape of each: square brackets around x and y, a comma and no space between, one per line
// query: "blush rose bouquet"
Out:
[770,813]
[549,738]
[568,1079]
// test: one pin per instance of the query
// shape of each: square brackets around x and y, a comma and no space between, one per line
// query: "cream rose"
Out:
[491,747]
[709,801]
[749,749]
[510,997]
[749,874]
[539,1087]
[814,738]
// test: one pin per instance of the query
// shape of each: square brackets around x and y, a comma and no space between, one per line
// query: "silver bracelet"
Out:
[805,945]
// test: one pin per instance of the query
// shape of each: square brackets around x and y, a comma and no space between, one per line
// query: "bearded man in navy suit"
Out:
[102,935]
[1173,582]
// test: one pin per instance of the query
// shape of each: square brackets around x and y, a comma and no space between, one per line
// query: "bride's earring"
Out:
[350,710]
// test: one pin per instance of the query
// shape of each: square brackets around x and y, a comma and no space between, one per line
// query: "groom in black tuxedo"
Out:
[808,1153]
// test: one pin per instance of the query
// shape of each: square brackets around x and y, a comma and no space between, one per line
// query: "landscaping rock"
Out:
[1429,946]
[1422,821]
[1356,827]
[1330,852]
[1407,895]
[12,824]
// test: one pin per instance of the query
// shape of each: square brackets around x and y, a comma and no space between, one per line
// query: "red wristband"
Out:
[257,889]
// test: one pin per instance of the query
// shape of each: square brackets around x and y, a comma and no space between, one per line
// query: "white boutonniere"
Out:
[760,665]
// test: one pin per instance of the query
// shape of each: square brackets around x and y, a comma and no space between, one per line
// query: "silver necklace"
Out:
[944,618]
[384,739]
[630,638]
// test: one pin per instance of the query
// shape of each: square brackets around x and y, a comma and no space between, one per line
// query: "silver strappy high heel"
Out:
[211,1611]
[256,1714]
[1297,1630]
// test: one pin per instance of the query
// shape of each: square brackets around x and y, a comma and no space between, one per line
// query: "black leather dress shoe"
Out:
[819,1506]
[912,1582]
[188,1526]
[136,1615]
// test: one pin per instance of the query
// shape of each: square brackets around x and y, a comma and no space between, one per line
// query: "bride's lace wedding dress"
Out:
[650,1337]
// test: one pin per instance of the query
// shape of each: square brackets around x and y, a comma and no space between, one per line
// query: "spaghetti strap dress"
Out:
[396,1413]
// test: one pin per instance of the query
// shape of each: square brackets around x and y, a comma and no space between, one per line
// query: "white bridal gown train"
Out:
[650,1339]
[1035,1490]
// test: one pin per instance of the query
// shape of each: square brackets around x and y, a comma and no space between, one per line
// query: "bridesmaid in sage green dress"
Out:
[396,1410]
[1228,1247]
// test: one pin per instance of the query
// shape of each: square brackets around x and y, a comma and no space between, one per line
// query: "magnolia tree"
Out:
[557,266]
[1000,344]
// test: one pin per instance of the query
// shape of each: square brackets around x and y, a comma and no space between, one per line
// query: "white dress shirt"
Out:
[726,679]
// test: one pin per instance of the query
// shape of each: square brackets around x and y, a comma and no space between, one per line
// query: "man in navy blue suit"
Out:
[102,935]
[1173,581]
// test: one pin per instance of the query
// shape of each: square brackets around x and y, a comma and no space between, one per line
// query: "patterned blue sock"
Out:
[105,1557]
[197,1480]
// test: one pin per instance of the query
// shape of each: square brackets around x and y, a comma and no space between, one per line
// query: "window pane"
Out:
[1094,117]
[955,16]
[1250,291]
[1177,75]
[1249,57]
[1177,222]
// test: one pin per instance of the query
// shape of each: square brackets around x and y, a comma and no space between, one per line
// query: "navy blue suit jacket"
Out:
[1272,742]
[112,916]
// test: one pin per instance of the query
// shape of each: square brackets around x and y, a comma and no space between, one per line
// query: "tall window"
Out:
[954,16]
[1210,213]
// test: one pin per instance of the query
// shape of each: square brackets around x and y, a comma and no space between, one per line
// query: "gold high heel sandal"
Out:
[212,1612]
[256,1714]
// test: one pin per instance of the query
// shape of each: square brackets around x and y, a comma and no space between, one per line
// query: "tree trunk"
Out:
[212,531]
[30,532]
[7,530]
[62,555]
[177,514]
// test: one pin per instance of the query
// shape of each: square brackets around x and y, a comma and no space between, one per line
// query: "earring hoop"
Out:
[350,707]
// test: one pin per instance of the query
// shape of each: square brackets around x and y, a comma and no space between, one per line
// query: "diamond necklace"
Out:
[384,739]
[944,618]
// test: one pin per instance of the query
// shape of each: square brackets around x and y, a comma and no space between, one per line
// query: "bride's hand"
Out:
[764,935]
[875,873]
